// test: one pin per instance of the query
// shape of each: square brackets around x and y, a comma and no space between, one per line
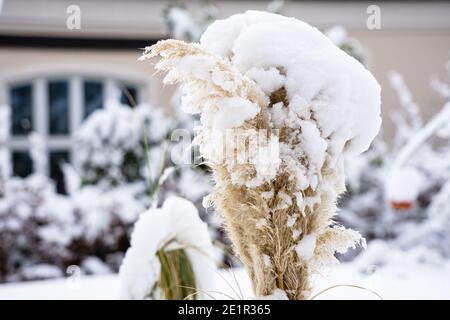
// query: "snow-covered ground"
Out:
[388,272]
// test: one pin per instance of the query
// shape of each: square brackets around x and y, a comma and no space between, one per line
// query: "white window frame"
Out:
[40,112]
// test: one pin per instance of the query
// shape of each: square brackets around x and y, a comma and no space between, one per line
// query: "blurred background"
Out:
[85,133]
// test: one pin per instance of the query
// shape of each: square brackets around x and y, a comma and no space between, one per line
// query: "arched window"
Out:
[55,107]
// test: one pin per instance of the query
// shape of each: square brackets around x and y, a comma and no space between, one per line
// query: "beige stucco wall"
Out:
[418,55]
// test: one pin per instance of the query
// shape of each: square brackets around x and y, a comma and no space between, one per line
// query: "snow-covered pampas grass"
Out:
[5,167]
[279,106]
[171,254]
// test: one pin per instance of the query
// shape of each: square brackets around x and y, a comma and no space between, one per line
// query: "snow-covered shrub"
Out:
[433,162]
[275,6]
[435,232]
[115,145]
[362,205]
[119,159]
[385,263]
[38,153]
[338,34]
[394,187]
[171,254]
[300,106]
[27,206]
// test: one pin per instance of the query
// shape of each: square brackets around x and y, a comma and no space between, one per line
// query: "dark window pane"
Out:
[58,102]
[22,164]
[22,109]
[128,95]
[93,97]
[57,159]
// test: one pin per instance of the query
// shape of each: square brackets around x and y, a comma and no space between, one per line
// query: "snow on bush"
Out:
[176,225]
[40,227]
[338,35]
[5,168]
[403,186]
[300,107]
[107,189]
[120,145]
[38,153]
[106,194]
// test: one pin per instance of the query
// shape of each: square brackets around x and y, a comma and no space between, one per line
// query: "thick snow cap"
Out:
[324,85]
